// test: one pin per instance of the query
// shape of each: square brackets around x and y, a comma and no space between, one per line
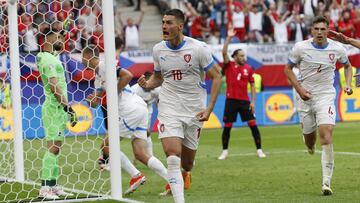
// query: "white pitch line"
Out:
[284,152]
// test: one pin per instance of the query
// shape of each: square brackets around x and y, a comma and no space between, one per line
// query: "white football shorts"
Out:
[320,109]
[135,124]
[186,128]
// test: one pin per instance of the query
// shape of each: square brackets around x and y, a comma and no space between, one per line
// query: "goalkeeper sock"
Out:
[175,178]
[128,166]
[50,168]
[327,163]
[156,165]
[149,147]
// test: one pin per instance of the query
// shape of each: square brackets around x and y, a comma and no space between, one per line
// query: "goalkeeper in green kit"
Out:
[55,113]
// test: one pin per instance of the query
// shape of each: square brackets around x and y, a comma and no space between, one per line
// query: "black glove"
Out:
[72,114]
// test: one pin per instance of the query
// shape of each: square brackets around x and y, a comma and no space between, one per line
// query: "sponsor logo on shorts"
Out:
[278,107]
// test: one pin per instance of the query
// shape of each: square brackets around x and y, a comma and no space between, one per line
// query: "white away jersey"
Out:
[317,64]
[148,96]
[183,68]
[128,100]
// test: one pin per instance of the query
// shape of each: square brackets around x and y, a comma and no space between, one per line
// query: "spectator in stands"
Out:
[98,38]
[4,44]
[321,7]
[89,18]
[298,29]
[332,25]
[131,32]
[83,36]
[280,28]
[357,24]
[30,39]
[256,20]
[335,12]
[213,33]
[238,21]
[295,6]
[309,9]
[346,25]
[65,10]
[138,5]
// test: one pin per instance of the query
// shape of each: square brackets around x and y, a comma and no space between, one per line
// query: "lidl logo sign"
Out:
[6,124]
[85,118]
[279,107]
[349,106]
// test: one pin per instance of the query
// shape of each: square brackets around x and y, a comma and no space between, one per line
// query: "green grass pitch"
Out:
[287,174]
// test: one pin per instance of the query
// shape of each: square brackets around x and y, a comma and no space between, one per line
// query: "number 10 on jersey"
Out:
[177,74]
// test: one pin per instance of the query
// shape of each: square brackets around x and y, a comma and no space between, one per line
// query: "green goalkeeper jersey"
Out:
[50,66]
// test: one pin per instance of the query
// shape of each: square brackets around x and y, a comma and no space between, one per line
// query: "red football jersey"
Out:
[237,79]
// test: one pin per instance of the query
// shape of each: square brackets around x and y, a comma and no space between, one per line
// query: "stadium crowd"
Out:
[255,21]
[266,20]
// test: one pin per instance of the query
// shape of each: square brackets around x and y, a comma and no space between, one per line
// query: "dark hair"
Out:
[179,15]
[320,19]
[91,49]
[235,52]
[118,43]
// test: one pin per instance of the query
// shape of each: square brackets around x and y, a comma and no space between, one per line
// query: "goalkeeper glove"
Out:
[72,114]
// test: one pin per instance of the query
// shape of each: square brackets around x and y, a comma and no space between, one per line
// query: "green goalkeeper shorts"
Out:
[54,120]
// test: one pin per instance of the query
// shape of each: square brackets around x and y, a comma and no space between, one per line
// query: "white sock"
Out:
[159,168]
[327,163]
[127,165]
[149,146]
[175,178]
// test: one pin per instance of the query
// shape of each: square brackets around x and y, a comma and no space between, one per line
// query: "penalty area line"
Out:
[284,153]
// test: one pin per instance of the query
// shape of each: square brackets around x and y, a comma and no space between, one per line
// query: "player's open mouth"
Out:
[165,33]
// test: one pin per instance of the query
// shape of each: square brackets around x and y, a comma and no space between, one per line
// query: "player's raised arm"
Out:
[338,36]
[125,77]
[59,95]
[154,81]
[230,34]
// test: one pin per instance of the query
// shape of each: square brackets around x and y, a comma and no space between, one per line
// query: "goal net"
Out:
[81,24]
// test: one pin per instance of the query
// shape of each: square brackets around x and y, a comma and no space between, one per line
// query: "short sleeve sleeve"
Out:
[251,75]
[343,56]
[206,58]
[156,60]
[294,55]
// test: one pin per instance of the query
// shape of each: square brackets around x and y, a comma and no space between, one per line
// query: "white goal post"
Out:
[24,180]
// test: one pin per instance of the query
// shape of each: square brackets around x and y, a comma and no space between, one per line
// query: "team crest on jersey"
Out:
[162,128]
[331,56]
[187,58]
[246,72]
